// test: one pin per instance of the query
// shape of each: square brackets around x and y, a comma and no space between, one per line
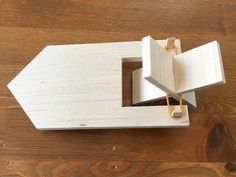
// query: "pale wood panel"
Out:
[80,86]
[133,17]
[158,65]
[199,67]
[143,90]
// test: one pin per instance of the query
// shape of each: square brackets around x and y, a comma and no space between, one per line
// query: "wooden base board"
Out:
[80,87]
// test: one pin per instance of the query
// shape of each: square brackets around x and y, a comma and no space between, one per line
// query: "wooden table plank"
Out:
[93,167]
[143,17]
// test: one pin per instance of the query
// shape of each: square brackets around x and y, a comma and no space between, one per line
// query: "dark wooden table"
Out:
[203,149]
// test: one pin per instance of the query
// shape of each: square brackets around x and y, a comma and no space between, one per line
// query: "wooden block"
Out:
[80,87]
[170,43]
[176,114]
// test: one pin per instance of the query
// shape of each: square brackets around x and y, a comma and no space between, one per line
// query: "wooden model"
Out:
[80,86]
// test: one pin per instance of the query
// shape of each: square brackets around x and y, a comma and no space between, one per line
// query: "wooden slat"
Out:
[113,168]
[158,65]
[198,68]
[143,90]
[115,17]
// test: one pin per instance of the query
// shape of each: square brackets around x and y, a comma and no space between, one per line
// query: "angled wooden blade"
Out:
[157,65]
[198,68]
[144,91]
[185,72]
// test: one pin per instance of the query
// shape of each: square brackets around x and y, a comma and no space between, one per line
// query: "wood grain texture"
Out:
[111,168]
[27,26]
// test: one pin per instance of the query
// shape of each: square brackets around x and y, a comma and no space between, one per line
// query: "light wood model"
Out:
[80,86]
